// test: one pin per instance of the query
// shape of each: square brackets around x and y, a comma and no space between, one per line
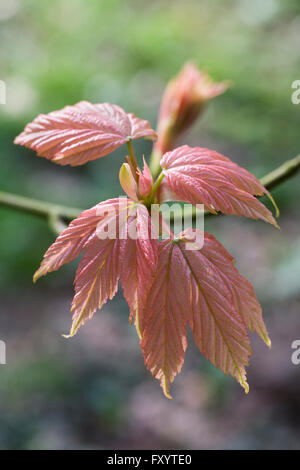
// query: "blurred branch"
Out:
[58,216]
[56,223]
[282,173]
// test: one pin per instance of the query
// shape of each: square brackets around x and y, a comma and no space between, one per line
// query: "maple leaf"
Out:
[130,253]
[77,134]
[202,176]
[202,289]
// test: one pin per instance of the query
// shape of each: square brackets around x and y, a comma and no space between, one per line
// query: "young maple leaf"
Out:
[106,258]
[145,183]
[202,176]
[77,134]
[202,289]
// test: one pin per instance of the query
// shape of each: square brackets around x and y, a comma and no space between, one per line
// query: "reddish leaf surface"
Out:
[80,233]
[201,288]
[130,255]
[77,134]
[145,181]
[139,262]
[165,317]
[202,176]
[96,280]
[242,291]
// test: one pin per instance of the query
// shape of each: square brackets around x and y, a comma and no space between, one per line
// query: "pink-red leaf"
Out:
[131,255]
[165,317]
[139,261]
[99,270]
[145,181]
[243,295]
[119,241]
[83,132]
[202,176]
[80,233]
[96,280]
[202,288]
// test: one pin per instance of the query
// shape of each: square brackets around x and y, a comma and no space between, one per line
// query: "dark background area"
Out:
[93,391]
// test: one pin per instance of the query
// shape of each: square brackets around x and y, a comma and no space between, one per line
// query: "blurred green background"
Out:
[93,391]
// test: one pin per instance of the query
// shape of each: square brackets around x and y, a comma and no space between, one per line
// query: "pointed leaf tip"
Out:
[166,391]
[269,195]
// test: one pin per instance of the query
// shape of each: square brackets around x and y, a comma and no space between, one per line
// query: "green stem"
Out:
[56,223]
[156,185]
[132,159]
[282,173]
[36,207]
[155,162]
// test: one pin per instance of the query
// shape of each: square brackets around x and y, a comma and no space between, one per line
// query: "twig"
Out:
[57,215]
[282,173]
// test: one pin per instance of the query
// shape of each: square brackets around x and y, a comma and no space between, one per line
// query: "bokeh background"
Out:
[93,391]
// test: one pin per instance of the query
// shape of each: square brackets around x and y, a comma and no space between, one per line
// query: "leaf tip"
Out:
[165,385]
[245,386]
[274,223]
[167,394]
[72,333]
[36,276]
[17,140]
[277,212]
[243,382]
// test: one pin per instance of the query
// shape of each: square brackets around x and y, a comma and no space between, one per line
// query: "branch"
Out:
[58,215]
[282,173]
